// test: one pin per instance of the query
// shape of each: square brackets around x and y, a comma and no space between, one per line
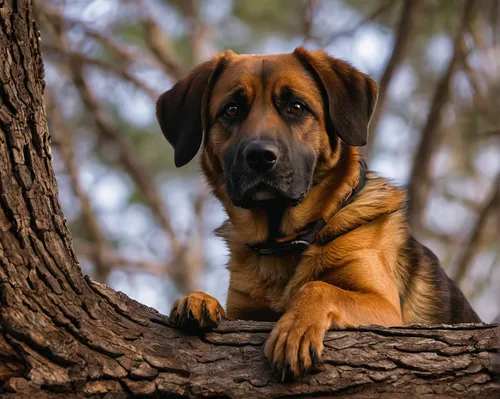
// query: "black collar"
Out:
[299,242]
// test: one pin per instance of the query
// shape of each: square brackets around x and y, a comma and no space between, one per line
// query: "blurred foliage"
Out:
[280,17]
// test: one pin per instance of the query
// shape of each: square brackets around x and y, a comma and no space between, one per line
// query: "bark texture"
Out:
[64,335]
[116,345]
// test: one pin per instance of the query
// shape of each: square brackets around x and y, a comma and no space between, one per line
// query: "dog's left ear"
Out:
[181,110]
[350,94]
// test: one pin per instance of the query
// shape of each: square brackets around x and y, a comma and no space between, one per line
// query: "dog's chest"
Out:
[269,278]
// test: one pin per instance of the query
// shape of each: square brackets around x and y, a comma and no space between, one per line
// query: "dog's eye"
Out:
[295,108]
[231,110]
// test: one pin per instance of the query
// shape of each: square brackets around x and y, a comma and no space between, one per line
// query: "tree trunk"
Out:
[63,335]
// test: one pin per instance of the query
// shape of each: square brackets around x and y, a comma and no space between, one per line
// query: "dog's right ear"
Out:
[181,110]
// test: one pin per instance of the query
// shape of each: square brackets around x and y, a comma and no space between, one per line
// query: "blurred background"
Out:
[145,228]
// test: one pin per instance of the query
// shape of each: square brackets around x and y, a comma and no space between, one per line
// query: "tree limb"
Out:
[183,277]
[64,140]
[118,51]
[199,32]
[146,357]
[419,184]
[308,20]
[489,134]
[111,69]
[113,259]
[410,14]
[384,7]
[127,153]
[473,243]
[161,49]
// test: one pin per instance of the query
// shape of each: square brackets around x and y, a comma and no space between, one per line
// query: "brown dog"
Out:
[316,241]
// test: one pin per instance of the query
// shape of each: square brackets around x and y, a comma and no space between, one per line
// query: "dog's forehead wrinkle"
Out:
[266,71]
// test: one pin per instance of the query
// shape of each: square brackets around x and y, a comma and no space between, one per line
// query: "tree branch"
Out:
[384,7]
[162,49]
[419,185]
[495,24]
[117,70]
[199,32]
[471,248]
[489,134]
[118,51]
[308,20]
[127,153]
[410,14]
[63,140]
[147,357]
[114,259]
[183,277]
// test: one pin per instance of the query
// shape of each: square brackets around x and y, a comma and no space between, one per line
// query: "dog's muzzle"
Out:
[262,170]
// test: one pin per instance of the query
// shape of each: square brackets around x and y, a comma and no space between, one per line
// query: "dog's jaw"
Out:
[264,196]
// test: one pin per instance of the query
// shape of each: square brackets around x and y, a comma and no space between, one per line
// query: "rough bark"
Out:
[121,346]
[64,335]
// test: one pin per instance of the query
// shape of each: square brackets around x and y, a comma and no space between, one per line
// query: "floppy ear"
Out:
[181,110]
[350,94]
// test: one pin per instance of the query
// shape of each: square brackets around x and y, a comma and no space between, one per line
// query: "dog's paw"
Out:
[295,345]
[195,311]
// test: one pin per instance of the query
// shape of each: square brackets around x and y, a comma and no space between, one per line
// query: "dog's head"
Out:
[270,124]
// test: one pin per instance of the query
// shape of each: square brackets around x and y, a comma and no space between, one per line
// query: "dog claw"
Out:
[314,357]
[204,311]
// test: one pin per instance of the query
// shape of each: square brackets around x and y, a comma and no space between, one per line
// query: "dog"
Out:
[316,240]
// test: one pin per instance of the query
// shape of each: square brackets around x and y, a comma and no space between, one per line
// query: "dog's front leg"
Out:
[296,342]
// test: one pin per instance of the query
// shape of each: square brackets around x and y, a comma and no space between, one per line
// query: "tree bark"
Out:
[120,346]
[64,335]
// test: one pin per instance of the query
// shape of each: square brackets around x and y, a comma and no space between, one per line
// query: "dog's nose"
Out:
[261,156]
